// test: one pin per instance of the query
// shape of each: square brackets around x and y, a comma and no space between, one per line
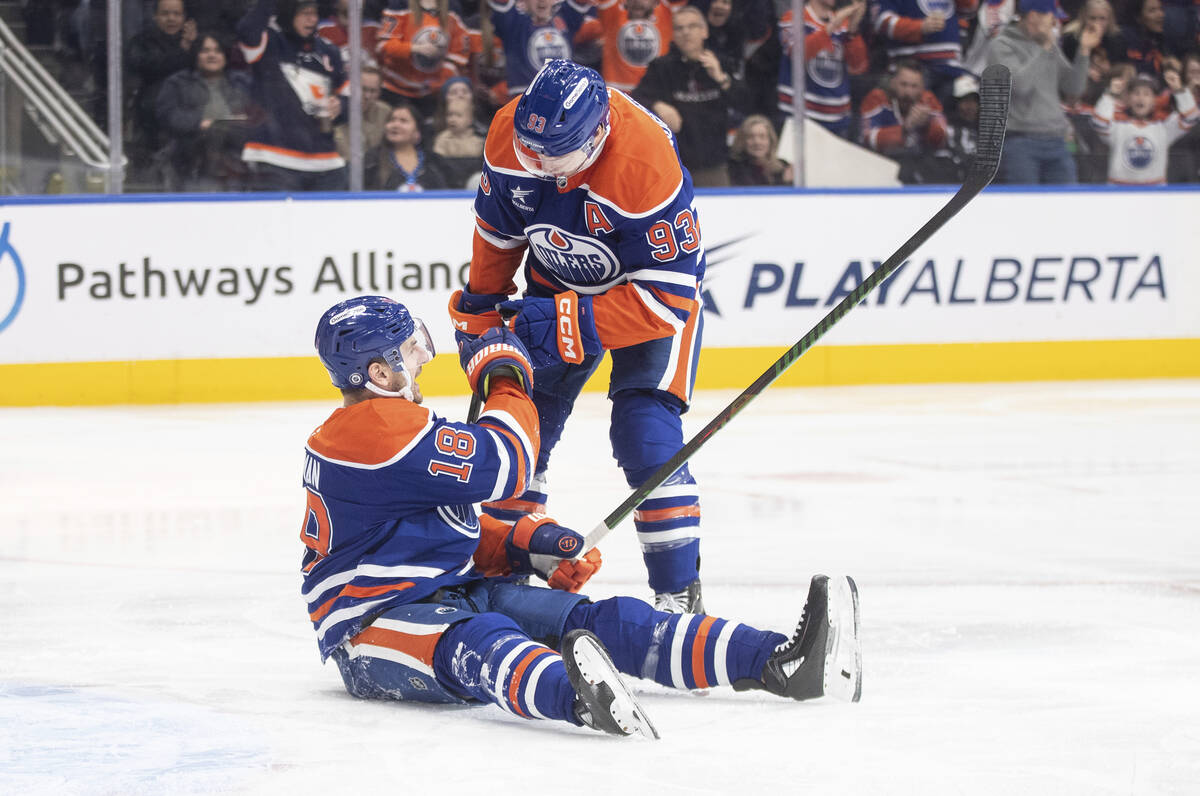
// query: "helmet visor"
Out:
[418,349]
[552,167]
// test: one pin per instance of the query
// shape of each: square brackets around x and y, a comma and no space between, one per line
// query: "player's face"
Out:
[211,59]
[561,166]
[758,142]
[305,21]
[169,16]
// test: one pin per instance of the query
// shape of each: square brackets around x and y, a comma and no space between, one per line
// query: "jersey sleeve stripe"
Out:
[498,239]
[503,417]
[369,571]
[502,454]
[659,275]
[522,459]
[252,54]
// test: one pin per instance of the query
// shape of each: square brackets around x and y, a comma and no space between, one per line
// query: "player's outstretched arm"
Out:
[535,545]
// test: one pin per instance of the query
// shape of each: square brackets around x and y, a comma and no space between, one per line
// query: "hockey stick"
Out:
[993,116]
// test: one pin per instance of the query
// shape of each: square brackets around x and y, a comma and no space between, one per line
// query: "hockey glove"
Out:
[473,313]
[559,329]
[496,352]
[538,545]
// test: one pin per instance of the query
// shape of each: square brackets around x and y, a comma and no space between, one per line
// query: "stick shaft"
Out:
[994,97]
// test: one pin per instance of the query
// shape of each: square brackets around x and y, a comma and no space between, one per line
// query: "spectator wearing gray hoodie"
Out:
[1035,149]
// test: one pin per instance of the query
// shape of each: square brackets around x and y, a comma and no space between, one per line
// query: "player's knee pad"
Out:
[645,432]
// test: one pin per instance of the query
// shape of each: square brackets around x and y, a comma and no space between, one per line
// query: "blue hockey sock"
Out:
[489,659]
[678,650]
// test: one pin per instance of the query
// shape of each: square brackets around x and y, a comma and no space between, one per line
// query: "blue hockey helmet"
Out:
[358,331]
[561,120]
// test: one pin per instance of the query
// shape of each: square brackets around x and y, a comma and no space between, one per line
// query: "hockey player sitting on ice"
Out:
[1138,143]
[415,597]
[587,187]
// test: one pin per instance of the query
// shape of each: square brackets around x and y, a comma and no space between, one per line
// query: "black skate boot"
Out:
[823,657]
[603,701]
[686,601]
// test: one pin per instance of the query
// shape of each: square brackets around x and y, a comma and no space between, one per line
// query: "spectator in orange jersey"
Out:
[336,31]
[635,33]
[903,120]
[419,49]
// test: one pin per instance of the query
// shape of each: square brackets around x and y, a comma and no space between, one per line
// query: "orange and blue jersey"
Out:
[898,22]
[830,57]
[631,44]
[389,517]
[412,74]
[528,46]
[883,124]
[623,231]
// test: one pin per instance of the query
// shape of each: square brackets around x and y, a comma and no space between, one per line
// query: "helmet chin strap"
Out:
[404,392]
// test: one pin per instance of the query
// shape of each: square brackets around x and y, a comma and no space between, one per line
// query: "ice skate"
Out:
[686,601]
[823,657]
[603,700]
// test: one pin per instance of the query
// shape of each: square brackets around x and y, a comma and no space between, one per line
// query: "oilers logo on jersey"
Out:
[639,42]
[930,7]
[311,87]
[1139,152]
[434,36]
[827,68]
[582,263]
[546,45]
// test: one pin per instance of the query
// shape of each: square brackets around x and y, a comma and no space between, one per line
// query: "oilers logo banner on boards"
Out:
[12,279]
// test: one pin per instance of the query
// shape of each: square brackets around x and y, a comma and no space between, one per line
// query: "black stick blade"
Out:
[995,88]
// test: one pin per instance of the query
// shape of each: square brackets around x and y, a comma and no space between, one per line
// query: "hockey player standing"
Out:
[299,81]
[587,186]
[414,597]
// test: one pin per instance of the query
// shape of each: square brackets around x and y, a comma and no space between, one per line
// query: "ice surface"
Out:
[1028,557]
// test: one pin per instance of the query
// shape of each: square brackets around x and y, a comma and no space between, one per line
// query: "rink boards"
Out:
[147,300]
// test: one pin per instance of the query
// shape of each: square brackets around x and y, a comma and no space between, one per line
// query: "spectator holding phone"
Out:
[204,114]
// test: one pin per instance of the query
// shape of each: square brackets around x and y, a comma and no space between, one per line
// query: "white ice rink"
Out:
[1028,557]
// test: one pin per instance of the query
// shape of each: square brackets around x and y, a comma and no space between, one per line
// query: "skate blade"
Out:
[843,648]
[595,666]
